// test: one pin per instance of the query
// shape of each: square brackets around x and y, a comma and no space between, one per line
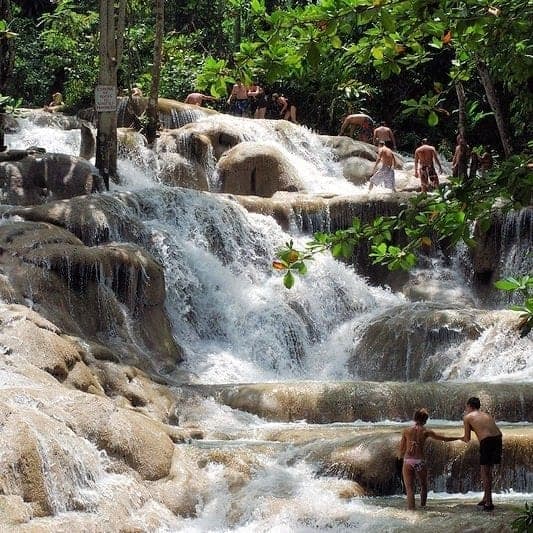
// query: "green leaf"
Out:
[288,280]
[301,267]
[508,284]
[377,52]
[387,21]
[336,42]
[433,118]
[347,249]
[336,250]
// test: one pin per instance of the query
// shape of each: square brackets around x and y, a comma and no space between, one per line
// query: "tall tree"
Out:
[6,60]
[151,129]
[112,24]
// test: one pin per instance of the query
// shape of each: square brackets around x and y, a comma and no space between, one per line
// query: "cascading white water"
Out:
[237,323]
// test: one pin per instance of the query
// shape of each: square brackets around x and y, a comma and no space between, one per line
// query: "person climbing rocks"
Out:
[287,109]
[385,175]
[198,99]
[411,450]
[425,155]
[258,100]
[384,133]
[238,99]
[490,445]
[358,123]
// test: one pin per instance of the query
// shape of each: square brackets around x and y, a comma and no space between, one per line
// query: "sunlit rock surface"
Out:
[38,178]
[101,412]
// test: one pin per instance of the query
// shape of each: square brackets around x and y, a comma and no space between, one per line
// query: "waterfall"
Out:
[300,394]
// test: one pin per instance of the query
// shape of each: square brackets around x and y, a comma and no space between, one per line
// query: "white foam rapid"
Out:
[237,323]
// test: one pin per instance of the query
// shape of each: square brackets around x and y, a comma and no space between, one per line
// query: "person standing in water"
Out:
[411,449]
[385,175]
[490,445]
[425,155]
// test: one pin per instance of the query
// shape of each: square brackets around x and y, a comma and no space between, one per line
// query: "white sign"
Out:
[105,98]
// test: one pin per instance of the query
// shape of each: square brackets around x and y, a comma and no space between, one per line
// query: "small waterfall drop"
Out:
[294,440]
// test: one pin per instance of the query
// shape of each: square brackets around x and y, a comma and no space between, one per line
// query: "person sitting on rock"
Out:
[56,104]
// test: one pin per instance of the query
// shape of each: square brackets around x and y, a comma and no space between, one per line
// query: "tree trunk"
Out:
[110,54]
[7,57]
[459,90]
[494,103]
[461,165]
[153,119]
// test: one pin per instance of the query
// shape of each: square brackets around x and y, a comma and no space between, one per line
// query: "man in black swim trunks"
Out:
[490,445]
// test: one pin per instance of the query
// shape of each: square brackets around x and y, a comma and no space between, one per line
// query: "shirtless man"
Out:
[238,99]
[384,133]
[411,450]
[358,120]
[425,154]
[461,155]
[385,175]
[490,445]
[198,99]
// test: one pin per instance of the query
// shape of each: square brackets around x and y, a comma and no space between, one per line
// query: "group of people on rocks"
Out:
[252,101]
[415,466]
[426,158]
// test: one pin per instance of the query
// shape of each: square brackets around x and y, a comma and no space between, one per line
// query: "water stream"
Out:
[259,468]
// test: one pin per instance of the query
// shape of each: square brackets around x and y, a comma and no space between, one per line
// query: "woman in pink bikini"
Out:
[412,451]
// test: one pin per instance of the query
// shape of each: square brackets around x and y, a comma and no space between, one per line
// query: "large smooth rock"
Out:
[410,342]
[344,147]
[38,178]
[94,219]
[357,169]
[256,169]
[83,289]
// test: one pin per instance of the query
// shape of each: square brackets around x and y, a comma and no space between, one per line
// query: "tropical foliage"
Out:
[332,56]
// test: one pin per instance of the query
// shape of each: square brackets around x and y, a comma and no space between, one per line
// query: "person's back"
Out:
[384,133]
[415,437]
[194,99]
[425,154]
[482,424]
[387,157]
[411,449]
[490,445]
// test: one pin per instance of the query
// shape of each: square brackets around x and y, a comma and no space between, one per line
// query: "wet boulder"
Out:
[413,342]
[343,147]
[130,142]
[41,177]
[94,219]
[113,291]
[252,168]
[185,156]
